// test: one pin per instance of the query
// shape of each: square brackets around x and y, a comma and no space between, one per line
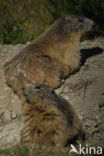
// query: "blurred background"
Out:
[24,20]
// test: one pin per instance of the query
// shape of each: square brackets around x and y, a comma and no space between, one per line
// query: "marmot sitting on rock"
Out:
[52,56]
[48,119]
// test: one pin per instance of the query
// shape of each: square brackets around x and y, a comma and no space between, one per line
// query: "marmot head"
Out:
[77,23]
[68,24]
[35,93]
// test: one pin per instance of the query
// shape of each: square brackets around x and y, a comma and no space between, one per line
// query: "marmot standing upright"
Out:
[48,119]
[51,57]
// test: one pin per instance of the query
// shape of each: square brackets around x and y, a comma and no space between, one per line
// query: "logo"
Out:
[86,150]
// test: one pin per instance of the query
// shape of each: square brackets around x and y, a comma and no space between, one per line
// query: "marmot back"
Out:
[52,56]
[48,119]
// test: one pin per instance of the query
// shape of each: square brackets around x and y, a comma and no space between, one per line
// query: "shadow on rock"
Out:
[86,53]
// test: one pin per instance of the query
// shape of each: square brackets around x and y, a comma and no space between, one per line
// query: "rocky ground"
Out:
[84,90]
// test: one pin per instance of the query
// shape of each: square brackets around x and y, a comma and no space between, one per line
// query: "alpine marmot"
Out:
[51,57]
[48,119]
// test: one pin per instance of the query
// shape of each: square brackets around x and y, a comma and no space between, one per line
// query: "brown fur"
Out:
[48,119]
[51,57]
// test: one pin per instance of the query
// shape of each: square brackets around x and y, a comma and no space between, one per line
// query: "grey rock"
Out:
[7,116]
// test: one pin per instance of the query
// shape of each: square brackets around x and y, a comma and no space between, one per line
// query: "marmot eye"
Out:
[37,87]
[80,20]
[52,91]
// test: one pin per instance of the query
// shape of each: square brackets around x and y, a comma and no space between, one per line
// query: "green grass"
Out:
[22,21]
[15,151]
[23,151]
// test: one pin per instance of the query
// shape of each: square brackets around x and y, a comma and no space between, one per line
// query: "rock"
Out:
[10,134]
[1,112]
[7,116]
[13,115]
